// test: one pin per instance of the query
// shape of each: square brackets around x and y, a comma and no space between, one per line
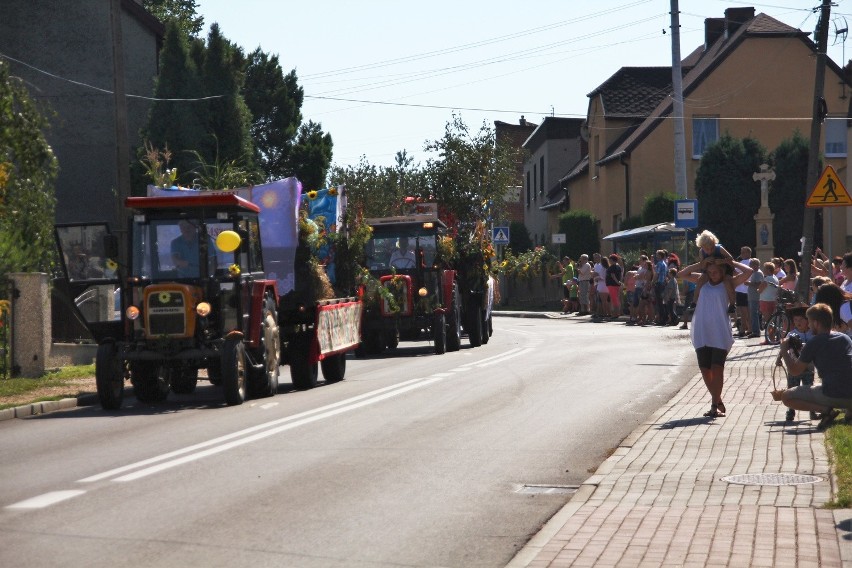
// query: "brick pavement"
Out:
[659,500]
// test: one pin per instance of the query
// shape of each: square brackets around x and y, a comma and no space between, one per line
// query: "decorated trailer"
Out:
[200,290]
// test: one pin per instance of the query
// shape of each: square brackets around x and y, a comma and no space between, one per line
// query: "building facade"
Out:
[54,44]
[753,77]
[552,150]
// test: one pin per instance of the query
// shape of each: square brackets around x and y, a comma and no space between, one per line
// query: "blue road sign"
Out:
[686,213]
[500,235]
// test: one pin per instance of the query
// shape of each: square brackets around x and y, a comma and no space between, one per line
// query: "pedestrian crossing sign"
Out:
[829,191]
[500,235]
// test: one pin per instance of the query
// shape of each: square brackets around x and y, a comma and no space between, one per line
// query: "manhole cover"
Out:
[772,479]
[547,489]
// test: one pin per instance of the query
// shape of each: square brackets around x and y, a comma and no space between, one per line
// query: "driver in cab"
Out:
[402,256]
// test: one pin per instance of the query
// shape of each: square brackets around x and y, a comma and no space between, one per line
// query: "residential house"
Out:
[754,76]
[552,149]
[62,52]
[514,135]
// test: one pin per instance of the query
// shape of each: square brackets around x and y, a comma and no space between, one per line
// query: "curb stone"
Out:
[47,407]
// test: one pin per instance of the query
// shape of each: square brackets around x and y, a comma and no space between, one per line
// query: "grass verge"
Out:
[54,385]
[839,439]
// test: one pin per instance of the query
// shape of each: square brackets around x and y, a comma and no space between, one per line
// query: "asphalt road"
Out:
[414,460]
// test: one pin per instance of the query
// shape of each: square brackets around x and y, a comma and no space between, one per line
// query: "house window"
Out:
[535,181]
[594,159]
[705,131]
[835,137]
[541,175]
[616,223]
[528,189]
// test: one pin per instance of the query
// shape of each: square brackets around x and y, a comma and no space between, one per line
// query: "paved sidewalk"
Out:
[659,500]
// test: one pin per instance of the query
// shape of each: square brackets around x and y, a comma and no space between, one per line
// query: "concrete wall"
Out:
[73,41]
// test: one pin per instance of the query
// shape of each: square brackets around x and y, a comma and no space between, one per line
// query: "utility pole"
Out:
[677,109]
[122,144]
[803,285]
[677,115]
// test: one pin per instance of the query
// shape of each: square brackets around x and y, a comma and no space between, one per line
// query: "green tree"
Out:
[181,12]
[228,117]
[471,173]
[658,208]
[727,195]
[311,155]
[379,191]
[275,102]
[28,171]
[788,194]
[174,124]
[519,237]
[581,233]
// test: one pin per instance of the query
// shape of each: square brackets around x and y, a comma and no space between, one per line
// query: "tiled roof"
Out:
[580,168]
[760,25]
[634,91]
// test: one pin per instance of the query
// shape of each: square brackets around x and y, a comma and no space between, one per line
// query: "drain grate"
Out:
[772,479]
[546,489]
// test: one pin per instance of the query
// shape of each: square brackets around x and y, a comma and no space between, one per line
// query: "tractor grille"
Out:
[166,314]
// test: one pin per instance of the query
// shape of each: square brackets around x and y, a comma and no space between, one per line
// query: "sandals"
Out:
[716,410]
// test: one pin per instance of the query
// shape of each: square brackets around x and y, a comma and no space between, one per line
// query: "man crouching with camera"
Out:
[831,353]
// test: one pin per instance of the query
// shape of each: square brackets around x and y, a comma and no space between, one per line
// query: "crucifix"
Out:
[765,249]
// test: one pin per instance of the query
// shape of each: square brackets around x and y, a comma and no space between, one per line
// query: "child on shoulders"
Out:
[710,251]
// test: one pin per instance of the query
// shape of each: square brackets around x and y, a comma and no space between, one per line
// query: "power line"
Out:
[99,89]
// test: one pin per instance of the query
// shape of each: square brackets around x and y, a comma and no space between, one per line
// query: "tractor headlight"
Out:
[203,309]
[132,312]
[423,292]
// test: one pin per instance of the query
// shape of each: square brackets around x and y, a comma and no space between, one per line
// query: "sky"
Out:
[383,76]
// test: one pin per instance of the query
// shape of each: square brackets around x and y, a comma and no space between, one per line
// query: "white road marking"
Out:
[260,435]
[46,500]
[237,434]
[269,405]
[506,357]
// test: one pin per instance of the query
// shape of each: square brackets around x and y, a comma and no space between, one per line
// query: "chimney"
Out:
[714,28]
[523,121]
[735,17]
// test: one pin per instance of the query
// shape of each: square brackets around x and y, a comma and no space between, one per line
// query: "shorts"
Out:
[566,292]
[742,299]
[710,357]
[614,295]
[767,307]
[634,297]
[806,378]
[814,395]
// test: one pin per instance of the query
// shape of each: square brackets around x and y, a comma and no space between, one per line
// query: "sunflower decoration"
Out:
[332,191]
[312,194]
[234,270]
[164,297]
[111,264]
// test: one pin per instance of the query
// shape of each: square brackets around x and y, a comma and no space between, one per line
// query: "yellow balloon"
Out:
[228,241]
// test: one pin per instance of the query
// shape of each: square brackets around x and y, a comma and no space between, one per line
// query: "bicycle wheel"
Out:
[777,328]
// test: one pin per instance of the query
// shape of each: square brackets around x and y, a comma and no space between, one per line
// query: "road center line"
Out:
[239,433]
[272,431]
[506,357]
[46,500]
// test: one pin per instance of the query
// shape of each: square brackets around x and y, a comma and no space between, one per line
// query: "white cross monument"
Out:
[765,248]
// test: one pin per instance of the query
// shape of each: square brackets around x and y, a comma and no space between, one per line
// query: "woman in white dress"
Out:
[711,326]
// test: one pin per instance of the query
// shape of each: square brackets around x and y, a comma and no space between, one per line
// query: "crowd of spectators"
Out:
[727,298]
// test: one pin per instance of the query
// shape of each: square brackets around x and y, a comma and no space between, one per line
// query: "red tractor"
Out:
[194,295]
[422,294]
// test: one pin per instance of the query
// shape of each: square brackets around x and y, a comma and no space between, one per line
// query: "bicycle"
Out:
[778,324]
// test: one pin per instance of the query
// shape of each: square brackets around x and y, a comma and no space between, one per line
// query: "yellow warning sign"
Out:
[829,191]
